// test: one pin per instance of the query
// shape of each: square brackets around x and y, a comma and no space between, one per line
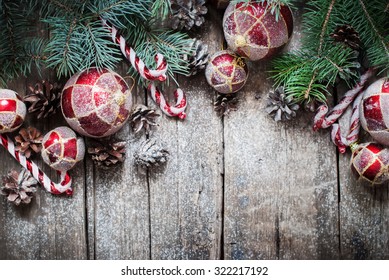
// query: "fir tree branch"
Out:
[372,24]
[324,27]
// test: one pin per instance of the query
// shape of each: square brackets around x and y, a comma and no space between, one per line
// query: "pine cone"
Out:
[18,187]
[143,117]
[280,106]
[198,58]
[150,154]
[347,35]
[106,154]
[29,140]
[225,103]
[44,98]
[187,13]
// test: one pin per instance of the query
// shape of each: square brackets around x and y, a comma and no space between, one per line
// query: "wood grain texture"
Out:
[118,204]
[280,181]
[186,195]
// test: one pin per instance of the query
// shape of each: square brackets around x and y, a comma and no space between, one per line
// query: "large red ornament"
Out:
[62,149]
[253,31]
[96,103]
[12,111]
[374,111]
[370,163]
[226,72]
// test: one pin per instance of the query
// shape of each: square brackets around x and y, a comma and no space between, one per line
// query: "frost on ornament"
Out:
[62,149]
[253,31]
[374,111]
[370,163]
[226,72]
[96,103]
[12,111]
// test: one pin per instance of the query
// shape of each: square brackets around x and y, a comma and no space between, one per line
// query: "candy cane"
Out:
[55,188]
[172,111]
[137,63]
[151,75]
[323,121]
[352,136]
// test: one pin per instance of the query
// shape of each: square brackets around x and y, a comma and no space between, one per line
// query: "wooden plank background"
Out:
[237,187]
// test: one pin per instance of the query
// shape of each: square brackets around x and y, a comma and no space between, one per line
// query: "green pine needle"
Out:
[309,74]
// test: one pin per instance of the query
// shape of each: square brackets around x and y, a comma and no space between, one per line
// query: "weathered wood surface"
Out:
[238,187]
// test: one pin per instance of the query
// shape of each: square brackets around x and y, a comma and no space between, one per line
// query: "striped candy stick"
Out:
[55,188]
[322,120]
[342,142]
[172,111]
[151,75]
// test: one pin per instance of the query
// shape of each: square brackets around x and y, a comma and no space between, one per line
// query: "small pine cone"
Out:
[105,154]
[19,187]
[187,13]
[143,117]
[198,57]
[150,154]
[29,140]
[44,98]
[347,35]
[280,106]
[225,103]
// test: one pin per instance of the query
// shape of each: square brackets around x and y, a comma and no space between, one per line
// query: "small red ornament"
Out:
[374,110]
[96,103]
[62,149]
[12,111]
[253,31]
[226,72]
[370,163]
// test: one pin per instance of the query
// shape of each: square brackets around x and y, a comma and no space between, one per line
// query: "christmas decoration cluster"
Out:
[96,102]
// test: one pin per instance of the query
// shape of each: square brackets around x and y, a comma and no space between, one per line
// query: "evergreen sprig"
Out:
[370,20]
[309,74]
[18,52]
[78,40]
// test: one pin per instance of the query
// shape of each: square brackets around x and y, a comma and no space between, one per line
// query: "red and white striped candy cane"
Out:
[352,136]
[149,74]
[55,188]
[172,111]
[323,121]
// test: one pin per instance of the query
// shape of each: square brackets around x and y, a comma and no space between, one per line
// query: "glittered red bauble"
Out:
[12,111]
[62,149]
[253,31]
[370,163]
[374,111]
[226,72]
[96,103]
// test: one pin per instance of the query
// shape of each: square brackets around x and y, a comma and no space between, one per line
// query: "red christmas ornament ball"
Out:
[374,110]
[96,103]
[253,31]
[12,111]
[62,149]
[226,72]
[370,163]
